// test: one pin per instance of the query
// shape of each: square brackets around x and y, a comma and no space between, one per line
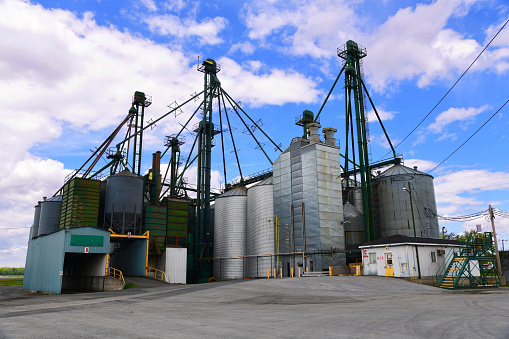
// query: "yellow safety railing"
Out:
[158,274]
[113,272]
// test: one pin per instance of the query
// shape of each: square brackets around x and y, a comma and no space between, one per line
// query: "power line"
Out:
[473,62]
[469,138]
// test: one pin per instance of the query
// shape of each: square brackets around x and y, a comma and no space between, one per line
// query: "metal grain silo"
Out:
[230,233]
[354,227]
[355,198]
[37,217]
[124,203]
[260,227]
[50,215]
[392,203]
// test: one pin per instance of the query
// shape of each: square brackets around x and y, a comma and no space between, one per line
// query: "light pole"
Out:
[415,234]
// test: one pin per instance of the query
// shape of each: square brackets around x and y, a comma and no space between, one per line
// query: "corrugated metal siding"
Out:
[310,174]
[394,215]
[230,236]
[131,257]
[80,203]
[260,228]
[124,203]
[176,265]
[154,221]
[37,217]
[105,248]
[44,262]
[50,215]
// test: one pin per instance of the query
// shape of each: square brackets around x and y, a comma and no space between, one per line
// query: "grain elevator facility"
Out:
[307,213]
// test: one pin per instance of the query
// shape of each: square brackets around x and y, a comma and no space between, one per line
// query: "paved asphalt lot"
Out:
[322,307]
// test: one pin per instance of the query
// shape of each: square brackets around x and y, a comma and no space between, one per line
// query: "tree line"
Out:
[12,270]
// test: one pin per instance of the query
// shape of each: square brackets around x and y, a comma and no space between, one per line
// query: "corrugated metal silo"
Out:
[392,203]
[124,203]
[354,226]
[355,198]
[260,227]
[50,215]
[37,217]
[230,233]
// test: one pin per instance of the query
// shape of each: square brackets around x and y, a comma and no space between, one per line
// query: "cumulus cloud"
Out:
[207,31]
[308,28]
[384,115]
[453,114]
[399,49]
[150,5]
[245,47]
[275,87]
[174,5]
[465,188]
[62,75]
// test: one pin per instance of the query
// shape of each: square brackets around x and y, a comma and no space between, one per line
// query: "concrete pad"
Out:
[323,307]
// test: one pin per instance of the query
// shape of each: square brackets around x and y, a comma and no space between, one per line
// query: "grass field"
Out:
[10,281]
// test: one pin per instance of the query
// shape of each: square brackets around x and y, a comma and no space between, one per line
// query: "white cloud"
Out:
[422,165]
[62,75]
[425,51]
[309,28]
[275,87]
[464,188]
[245,47]
[207,31]
[384,115]
[398,49]
[150,5]
[466,115]
[174,5]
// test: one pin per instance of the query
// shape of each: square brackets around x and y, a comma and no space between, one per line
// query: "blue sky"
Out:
[68,70]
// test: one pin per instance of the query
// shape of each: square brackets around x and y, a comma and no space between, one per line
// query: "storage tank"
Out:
[392,203]
[354,227]
[50,215]
[230,233]
[355,198]
[37,217]
[260,227]
[124,203]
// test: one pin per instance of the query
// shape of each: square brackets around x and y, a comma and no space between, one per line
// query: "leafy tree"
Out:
[468,236]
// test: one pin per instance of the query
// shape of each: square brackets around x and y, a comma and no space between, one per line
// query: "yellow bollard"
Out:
[306,269]
[275,274]
[299,272]
[268,273]
[291,271]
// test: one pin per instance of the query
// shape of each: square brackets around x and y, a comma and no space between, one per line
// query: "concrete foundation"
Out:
[91,284]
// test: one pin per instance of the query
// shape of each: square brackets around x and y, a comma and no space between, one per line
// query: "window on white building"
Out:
[372,258]
[433,257]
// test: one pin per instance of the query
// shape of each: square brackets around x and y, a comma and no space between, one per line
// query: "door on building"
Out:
[389,267]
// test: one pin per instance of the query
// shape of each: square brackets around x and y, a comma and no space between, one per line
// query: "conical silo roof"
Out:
[399,169]
[267,181]
[237,191]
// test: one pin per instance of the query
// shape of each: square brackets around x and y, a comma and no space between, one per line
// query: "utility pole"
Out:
[499,265]
[503,244]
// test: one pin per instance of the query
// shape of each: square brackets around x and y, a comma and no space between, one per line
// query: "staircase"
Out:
[453,271]
[473,267]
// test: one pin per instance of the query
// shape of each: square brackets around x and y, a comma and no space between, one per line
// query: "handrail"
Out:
[156,273]
[111,271]
[442,270]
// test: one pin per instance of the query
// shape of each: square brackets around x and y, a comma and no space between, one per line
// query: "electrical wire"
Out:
[454,85]
[450,155]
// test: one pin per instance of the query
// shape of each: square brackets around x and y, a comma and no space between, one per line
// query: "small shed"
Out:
[74,258]
[395,256]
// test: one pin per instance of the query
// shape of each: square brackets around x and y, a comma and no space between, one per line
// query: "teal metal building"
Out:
[75,259]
